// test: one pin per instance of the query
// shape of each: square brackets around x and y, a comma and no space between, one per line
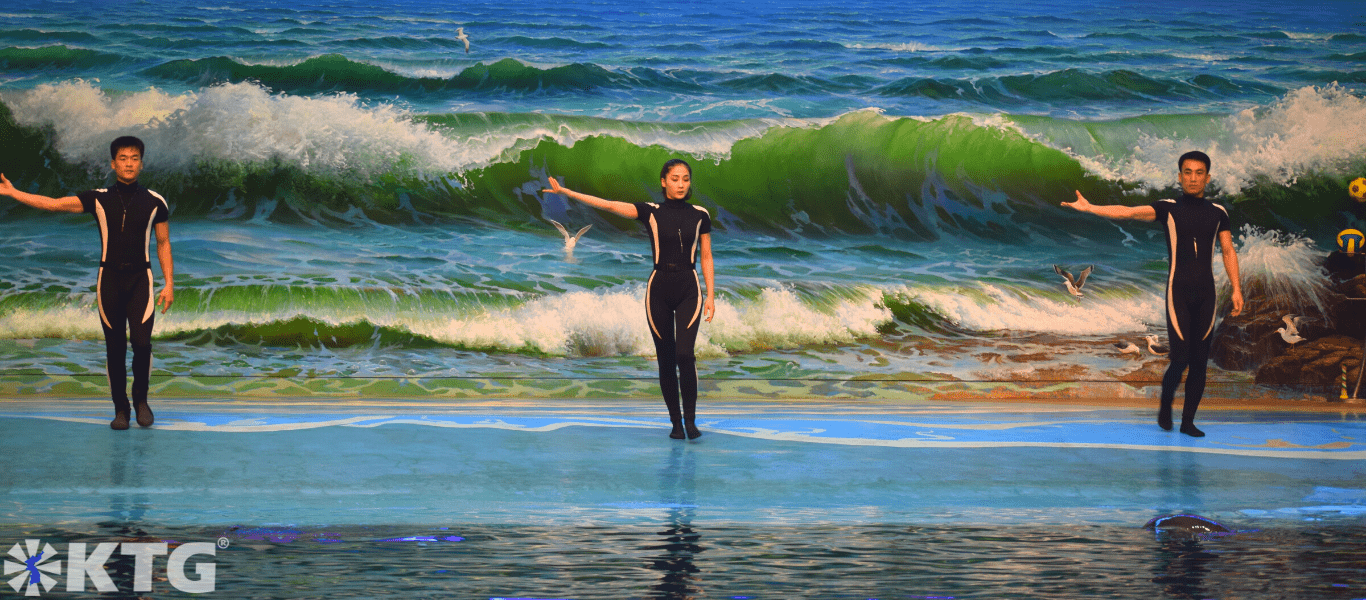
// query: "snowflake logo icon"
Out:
[34,567]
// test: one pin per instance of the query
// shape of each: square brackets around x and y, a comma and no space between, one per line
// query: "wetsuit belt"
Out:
[126,266]
[674,267]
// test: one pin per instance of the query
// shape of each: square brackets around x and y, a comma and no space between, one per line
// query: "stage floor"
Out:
[313,462]
[591,499]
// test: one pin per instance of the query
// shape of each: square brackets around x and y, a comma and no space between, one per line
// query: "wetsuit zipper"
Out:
[123,223]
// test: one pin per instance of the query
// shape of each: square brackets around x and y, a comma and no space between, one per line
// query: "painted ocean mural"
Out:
[357,207]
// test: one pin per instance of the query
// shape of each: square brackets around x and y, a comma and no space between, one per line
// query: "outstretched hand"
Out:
[555,187]
[6,188]
[1081,203]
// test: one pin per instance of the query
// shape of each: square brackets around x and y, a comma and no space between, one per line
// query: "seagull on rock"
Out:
[1290,336]
[1073,284]
[1127,348]
[1154,347]
[1292,324]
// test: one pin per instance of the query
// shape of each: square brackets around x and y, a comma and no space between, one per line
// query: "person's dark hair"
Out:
[664,172]
[1193,155]
[126,141]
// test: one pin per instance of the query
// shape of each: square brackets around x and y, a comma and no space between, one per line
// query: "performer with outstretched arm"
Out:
[679,233]
[1192,224]
[127,215]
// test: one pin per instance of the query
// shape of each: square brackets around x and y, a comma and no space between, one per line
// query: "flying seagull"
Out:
[460,35]
[1073,284]
[1155,347]
[569,240]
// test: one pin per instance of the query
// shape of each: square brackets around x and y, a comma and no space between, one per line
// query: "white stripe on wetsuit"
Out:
[104,254]
[1171,276]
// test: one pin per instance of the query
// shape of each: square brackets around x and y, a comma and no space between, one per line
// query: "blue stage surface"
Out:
[312,463]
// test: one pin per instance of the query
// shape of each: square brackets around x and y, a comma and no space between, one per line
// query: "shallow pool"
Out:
[590,499]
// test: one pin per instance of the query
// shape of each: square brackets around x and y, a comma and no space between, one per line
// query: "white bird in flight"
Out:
[1073,284]
[570,240]
[460,35]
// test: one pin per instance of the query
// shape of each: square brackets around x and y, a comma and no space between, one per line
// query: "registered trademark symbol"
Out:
[222,543]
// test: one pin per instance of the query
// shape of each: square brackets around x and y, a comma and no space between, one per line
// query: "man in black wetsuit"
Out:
[1192,224]
[127,215]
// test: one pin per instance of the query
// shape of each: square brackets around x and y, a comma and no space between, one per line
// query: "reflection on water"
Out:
[675,562]
[689,559]
[1181,567]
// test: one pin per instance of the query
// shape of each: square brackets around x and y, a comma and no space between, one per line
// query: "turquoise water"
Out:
[590,499]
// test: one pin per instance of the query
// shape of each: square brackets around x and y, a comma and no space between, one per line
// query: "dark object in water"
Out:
[1193,524]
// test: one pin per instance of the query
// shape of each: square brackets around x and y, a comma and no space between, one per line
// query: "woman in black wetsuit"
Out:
[679,233]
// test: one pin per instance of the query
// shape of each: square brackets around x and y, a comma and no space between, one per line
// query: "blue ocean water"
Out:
[351,188]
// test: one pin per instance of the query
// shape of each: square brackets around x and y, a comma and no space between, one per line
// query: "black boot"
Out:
[690,418]
[693,431]
[144,414]
[1188,418]
[1164,416]
[675,417]
[121,413]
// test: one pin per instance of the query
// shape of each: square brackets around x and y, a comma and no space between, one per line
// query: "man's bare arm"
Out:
[167,295]
[1231,266]
[69,204]
[1113,211]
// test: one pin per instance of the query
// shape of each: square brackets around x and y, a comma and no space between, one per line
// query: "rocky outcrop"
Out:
[1332,339]
[1317,363]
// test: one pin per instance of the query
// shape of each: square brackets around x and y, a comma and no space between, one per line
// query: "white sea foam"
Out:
[239,123]
[1283,265]
[1300,35]
[702,141]
[575,324]
[614,323]
[991,308]
[900,47]
[778,318]
[608,323]
[1204,57]
[1310,130]
[243,123]
[75,321]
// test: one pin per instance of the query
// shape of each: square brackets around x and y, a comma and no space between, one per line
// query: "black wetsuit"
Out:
[126,214]
[1192,226]
[673,298]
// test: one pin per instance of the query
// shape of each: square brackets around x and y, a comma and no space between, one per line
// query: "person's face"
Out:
[1194,177]
[676,183]
[127,164]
